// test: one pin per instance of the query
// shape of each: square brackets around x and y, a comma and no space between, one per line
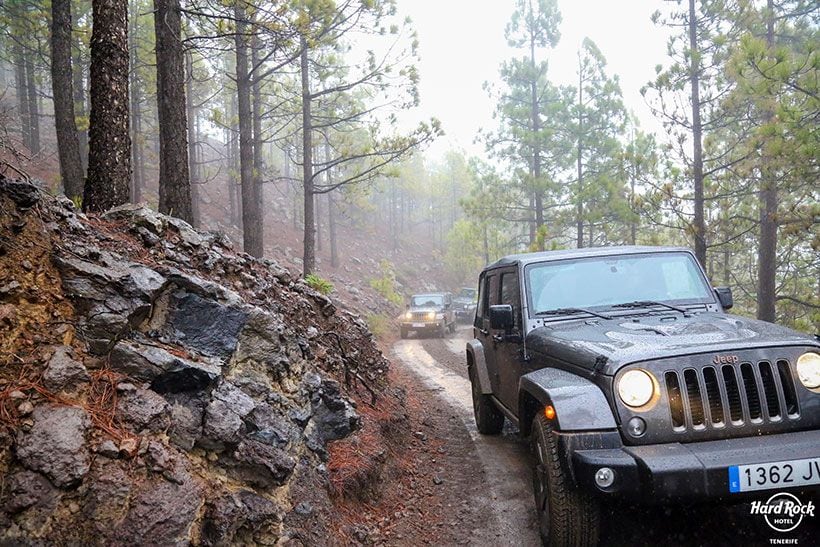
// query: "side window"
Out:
[479,310]
[489,296]
[492,293]
[511,295]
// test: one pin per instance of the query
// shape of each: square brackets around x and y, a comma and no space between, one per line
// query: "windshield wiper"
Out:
[571,311]
[648,304]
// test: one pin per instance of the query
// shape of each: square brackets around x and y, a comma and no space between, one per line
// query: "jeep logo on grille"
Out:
[725,359]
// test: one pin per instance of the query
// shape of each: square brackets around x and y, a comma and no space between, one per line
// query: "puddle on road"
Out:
[504,458]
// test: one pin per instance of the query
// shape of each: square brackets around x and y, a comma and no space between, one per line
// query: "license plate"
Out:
[419,325]
[767,476]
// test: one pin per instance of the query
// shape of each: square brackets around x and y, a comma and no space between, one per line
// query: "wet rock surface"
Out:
[63,372]
[56,444]
[187,392]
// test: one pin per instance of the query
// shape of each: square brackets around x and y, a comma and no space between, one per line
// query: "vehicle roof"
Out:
[546,256]
[428,294]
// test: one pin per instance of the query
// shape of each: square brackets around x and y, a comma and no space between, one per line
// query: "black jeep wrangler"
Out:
[429,313]
[464,304]
[631,381]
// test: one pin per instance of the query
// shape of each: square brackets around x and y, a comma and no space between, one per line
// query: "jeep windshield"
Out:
[467,294]
[427,301]
[618,282]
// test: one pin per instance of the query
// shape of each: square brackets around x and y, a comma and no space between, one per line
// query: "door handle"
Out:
[498,338]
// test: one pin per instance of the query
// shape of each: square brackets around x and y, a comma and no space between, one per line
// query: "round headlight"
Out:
[408,315]
[808,370]
[636,388]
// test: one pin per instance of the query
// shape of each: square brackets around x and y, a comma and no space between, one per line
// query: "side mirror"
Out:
[724,295]
[501,317]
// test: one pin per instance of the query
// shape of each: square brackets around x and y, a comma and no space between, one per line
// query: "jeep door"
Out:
[509,354]
[488,295]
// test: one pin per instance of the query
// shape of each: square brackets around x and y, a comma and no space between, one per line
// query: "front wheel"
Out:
[566,515]
[403,333]
[488,419]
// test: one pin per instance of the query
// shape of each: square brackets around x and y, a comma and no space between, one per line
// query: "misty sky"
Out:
[462,45]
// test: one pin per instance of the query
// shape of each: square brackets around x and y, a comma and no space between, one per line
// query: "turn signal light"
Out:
[549,412]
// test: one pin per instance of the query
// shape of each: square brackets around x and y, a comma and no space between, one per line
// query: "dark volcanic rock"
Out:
[105,502]
[25,489]
[63,372]
[166,372]
[138,215]
[214,363]
[237,517]
[144,409]
[113,294]
[55,445]
[205,325]
[271,426]
[224,416]
[262,465]
[187,411]
[333,417]
[24,194]
[161,512]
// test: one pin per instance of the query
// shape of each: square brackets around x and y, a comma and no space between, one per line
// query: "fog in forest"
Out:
[397,146]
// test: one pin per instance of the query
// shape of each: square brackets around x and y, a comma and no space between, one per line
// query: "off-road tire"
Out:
[403,333]
[488,419]
[567,516]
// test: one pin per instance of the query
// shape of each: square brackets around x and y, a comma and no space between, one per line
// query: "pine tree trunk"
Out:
[193,141]
[536,147]
[697,138]
[394,229]
[22,95]
[135,91]
[174,177]
[258,152]
[309,254]
[252,242]
[317,214]
[331,227]
[109,158]
[579,206]
[33,105]
[68,146]
[767,251]
[80,110]
[233,165]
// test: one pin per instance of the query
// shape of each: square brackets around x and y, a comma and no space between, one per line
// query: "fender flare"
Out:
[579,404]
[475,358]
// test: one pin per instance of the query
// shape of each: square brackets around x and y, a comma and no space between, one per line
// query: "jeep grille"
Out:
[419,315]
[731,395]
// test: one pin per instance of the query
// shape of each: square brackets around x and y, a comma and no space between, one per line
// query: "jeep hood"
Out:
[623,340]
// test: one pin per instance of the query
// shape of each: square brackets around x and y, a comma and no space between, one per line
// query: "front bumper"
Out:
[672,471]
[414,326]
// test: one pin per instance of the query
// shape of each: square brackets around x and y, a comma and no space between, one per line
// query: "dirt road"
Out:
[487,480]
[507,505]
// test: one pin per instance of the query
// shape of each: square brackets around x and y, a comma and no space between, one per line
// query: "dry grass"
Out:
[100,402]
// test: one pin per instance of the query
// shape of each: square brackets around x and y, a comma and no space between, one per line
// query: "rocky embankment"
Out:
[157,386]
